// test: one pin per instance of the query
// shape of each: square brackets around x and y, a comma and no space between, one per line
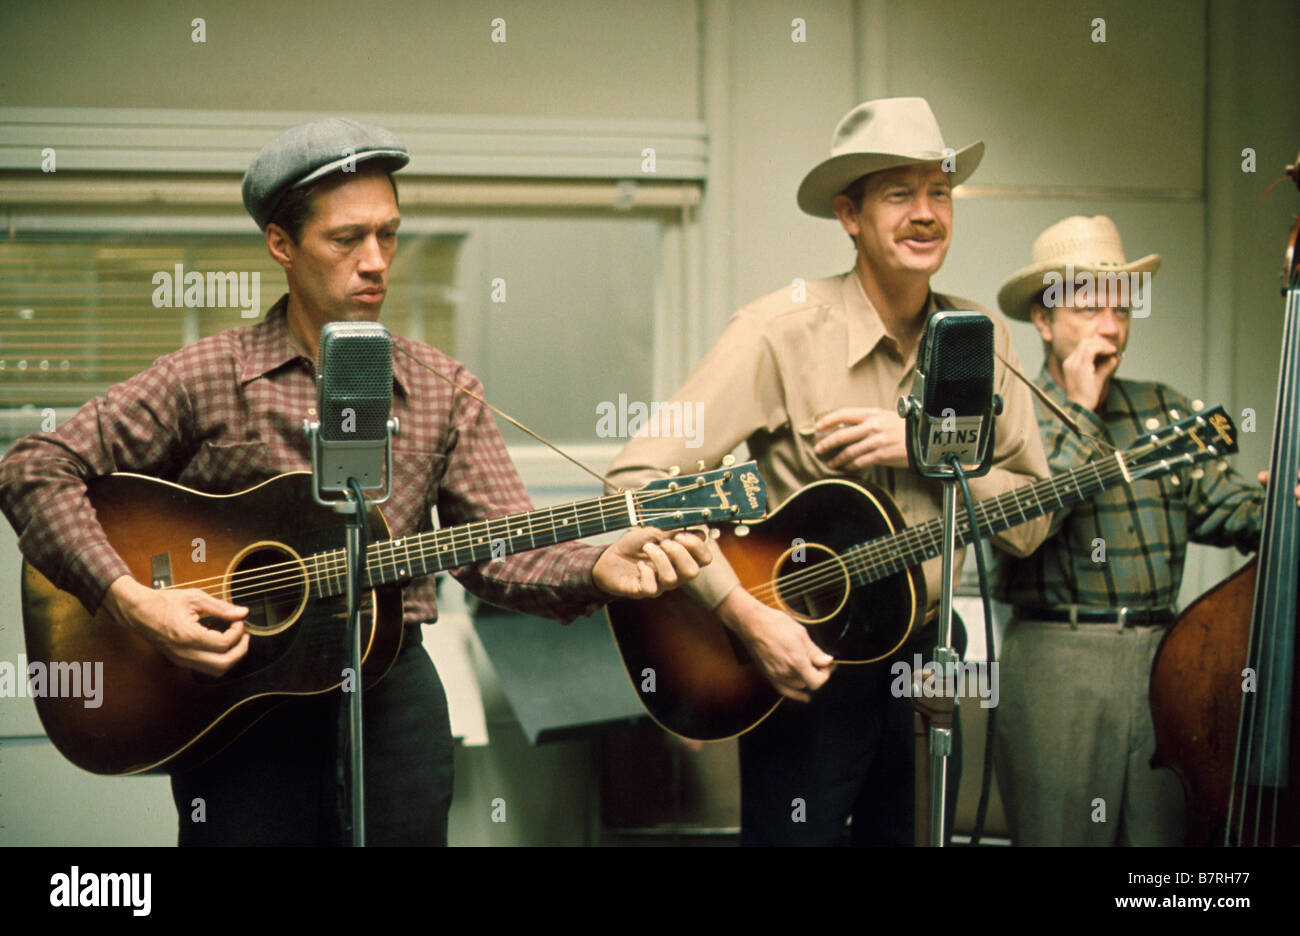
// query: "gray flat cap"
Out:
[305,153]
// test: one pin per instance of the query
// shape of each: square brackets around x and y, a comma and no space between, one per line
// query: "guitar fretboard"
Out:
[394,561]
[879,558]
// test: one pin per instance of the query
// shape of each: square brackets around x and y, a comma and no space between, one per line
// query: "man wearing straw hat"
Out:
[809,377]
[1074,738]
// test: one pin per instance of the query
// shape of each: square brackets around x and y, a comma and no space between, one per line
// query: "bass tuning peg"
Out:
[674,471]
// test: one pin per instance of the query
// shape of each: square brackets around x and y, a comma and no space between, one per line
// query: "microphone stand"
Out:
[354,509]
[939,714]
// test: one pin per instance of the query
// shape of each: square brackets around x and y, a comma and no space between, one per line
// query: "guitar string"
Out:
[320,567]
[864,557]
[426,542]
[910,542]
[907,544]
[904,546]
[601,508]
[882,551]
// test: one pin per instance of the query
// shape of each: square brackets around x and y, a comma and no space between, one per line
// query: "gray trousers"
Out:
[1074,738]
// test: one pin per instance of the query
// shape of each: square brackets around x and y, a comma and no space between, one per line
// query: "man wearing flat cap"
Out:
[1074,734]
[809,377]
[224,414]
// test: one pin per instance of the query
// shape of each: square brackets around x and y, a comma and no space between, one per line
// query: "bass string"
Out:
[1274,606]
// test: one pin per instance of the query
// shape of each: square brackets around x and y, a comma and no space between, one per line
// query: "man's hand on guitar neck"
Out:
[794,665]
[171,621]
[646,562]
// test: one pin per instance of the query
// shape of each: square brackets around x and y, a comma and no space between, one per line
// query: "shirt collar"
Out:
[865,329]
[271,346]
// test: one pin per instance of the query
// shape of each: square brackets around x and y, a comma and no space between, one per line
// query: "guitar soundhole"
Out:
[270,580]
[811,582]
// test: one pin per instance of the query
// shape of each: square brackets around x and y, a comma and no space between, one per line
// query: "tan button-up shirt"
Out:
[789,358]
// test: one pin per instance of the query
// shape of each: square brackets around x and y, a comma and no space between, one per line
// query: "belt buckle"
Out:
[1123,617]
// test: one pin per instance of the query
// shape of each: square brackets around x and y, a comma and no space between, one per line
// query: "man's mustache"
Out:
[929,232]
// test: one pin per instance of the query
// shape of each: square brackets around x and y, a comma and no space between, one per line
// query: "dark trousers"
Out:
[848,753]
[278,784]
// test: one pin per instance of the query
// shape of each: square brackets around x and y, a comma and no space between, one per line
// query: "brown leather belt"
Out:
[1082,614]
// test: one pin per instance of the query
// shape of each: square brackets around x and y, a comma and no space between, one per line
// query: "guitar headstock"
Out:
[726,495]
[1207,435]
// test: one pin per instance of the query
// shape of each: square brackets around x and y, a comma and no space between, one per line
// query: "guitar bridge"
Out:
[160,567]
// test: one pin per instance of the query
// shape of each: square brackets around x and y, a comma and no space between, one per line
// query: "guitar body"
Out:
[156,716]
[705,685]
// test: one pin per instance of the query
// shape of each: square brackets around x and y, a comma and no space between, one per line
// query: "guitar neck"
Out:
[399,560]
[887,555]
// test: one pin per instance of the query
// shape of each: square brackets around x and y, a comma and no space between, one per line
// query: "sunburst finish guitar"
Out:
[838,558]
[274,550]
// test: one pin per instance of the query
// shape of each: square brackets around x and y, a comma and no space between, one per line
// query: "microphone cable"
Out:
[986,780]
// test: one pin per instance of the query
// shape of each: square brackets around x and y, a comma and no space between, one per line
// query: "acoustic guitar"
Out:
[273,549]
[838,558]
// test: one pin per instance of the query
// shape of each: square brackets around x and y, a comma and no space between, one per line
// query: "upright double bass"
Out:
[1223,679]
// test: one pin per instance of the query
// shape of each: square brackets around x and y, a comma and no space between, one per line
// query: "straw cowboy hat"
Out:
[1088,245]
[880,135]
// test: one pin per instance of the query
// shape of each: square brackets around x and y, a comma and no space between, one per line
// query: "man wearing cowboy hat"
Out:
[809,377]
[1074,734]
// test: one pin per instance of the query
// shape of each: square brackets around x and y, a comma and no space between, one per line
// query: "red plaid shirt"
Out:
[225,413]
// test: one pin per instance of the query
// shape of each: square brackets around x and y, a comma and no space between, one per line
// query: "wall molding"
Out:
[173,140]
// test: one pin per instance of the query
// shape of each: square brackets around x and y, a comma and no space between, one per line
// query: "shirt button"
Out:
[311,411]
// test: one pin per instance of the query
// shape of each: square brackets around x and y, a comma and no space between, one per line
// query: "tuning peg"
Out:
[699,465]
[1153,423]
[1198,405]
[714,532]
[742,530]
[1174,415]
[1198,472]
[728,461]
[1221,465]
[1174,480]
[674,471]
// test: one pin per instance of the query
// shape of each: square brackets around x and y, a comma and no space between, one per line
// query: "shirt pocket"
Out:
[803,419]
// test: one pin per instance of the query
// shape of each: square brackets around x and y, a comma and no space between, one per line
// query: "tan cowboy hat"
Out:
[1089,245]
[880,135]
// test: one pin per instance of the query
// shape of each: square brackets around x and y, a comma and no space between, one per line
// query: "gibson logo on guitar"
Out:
[752,484]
